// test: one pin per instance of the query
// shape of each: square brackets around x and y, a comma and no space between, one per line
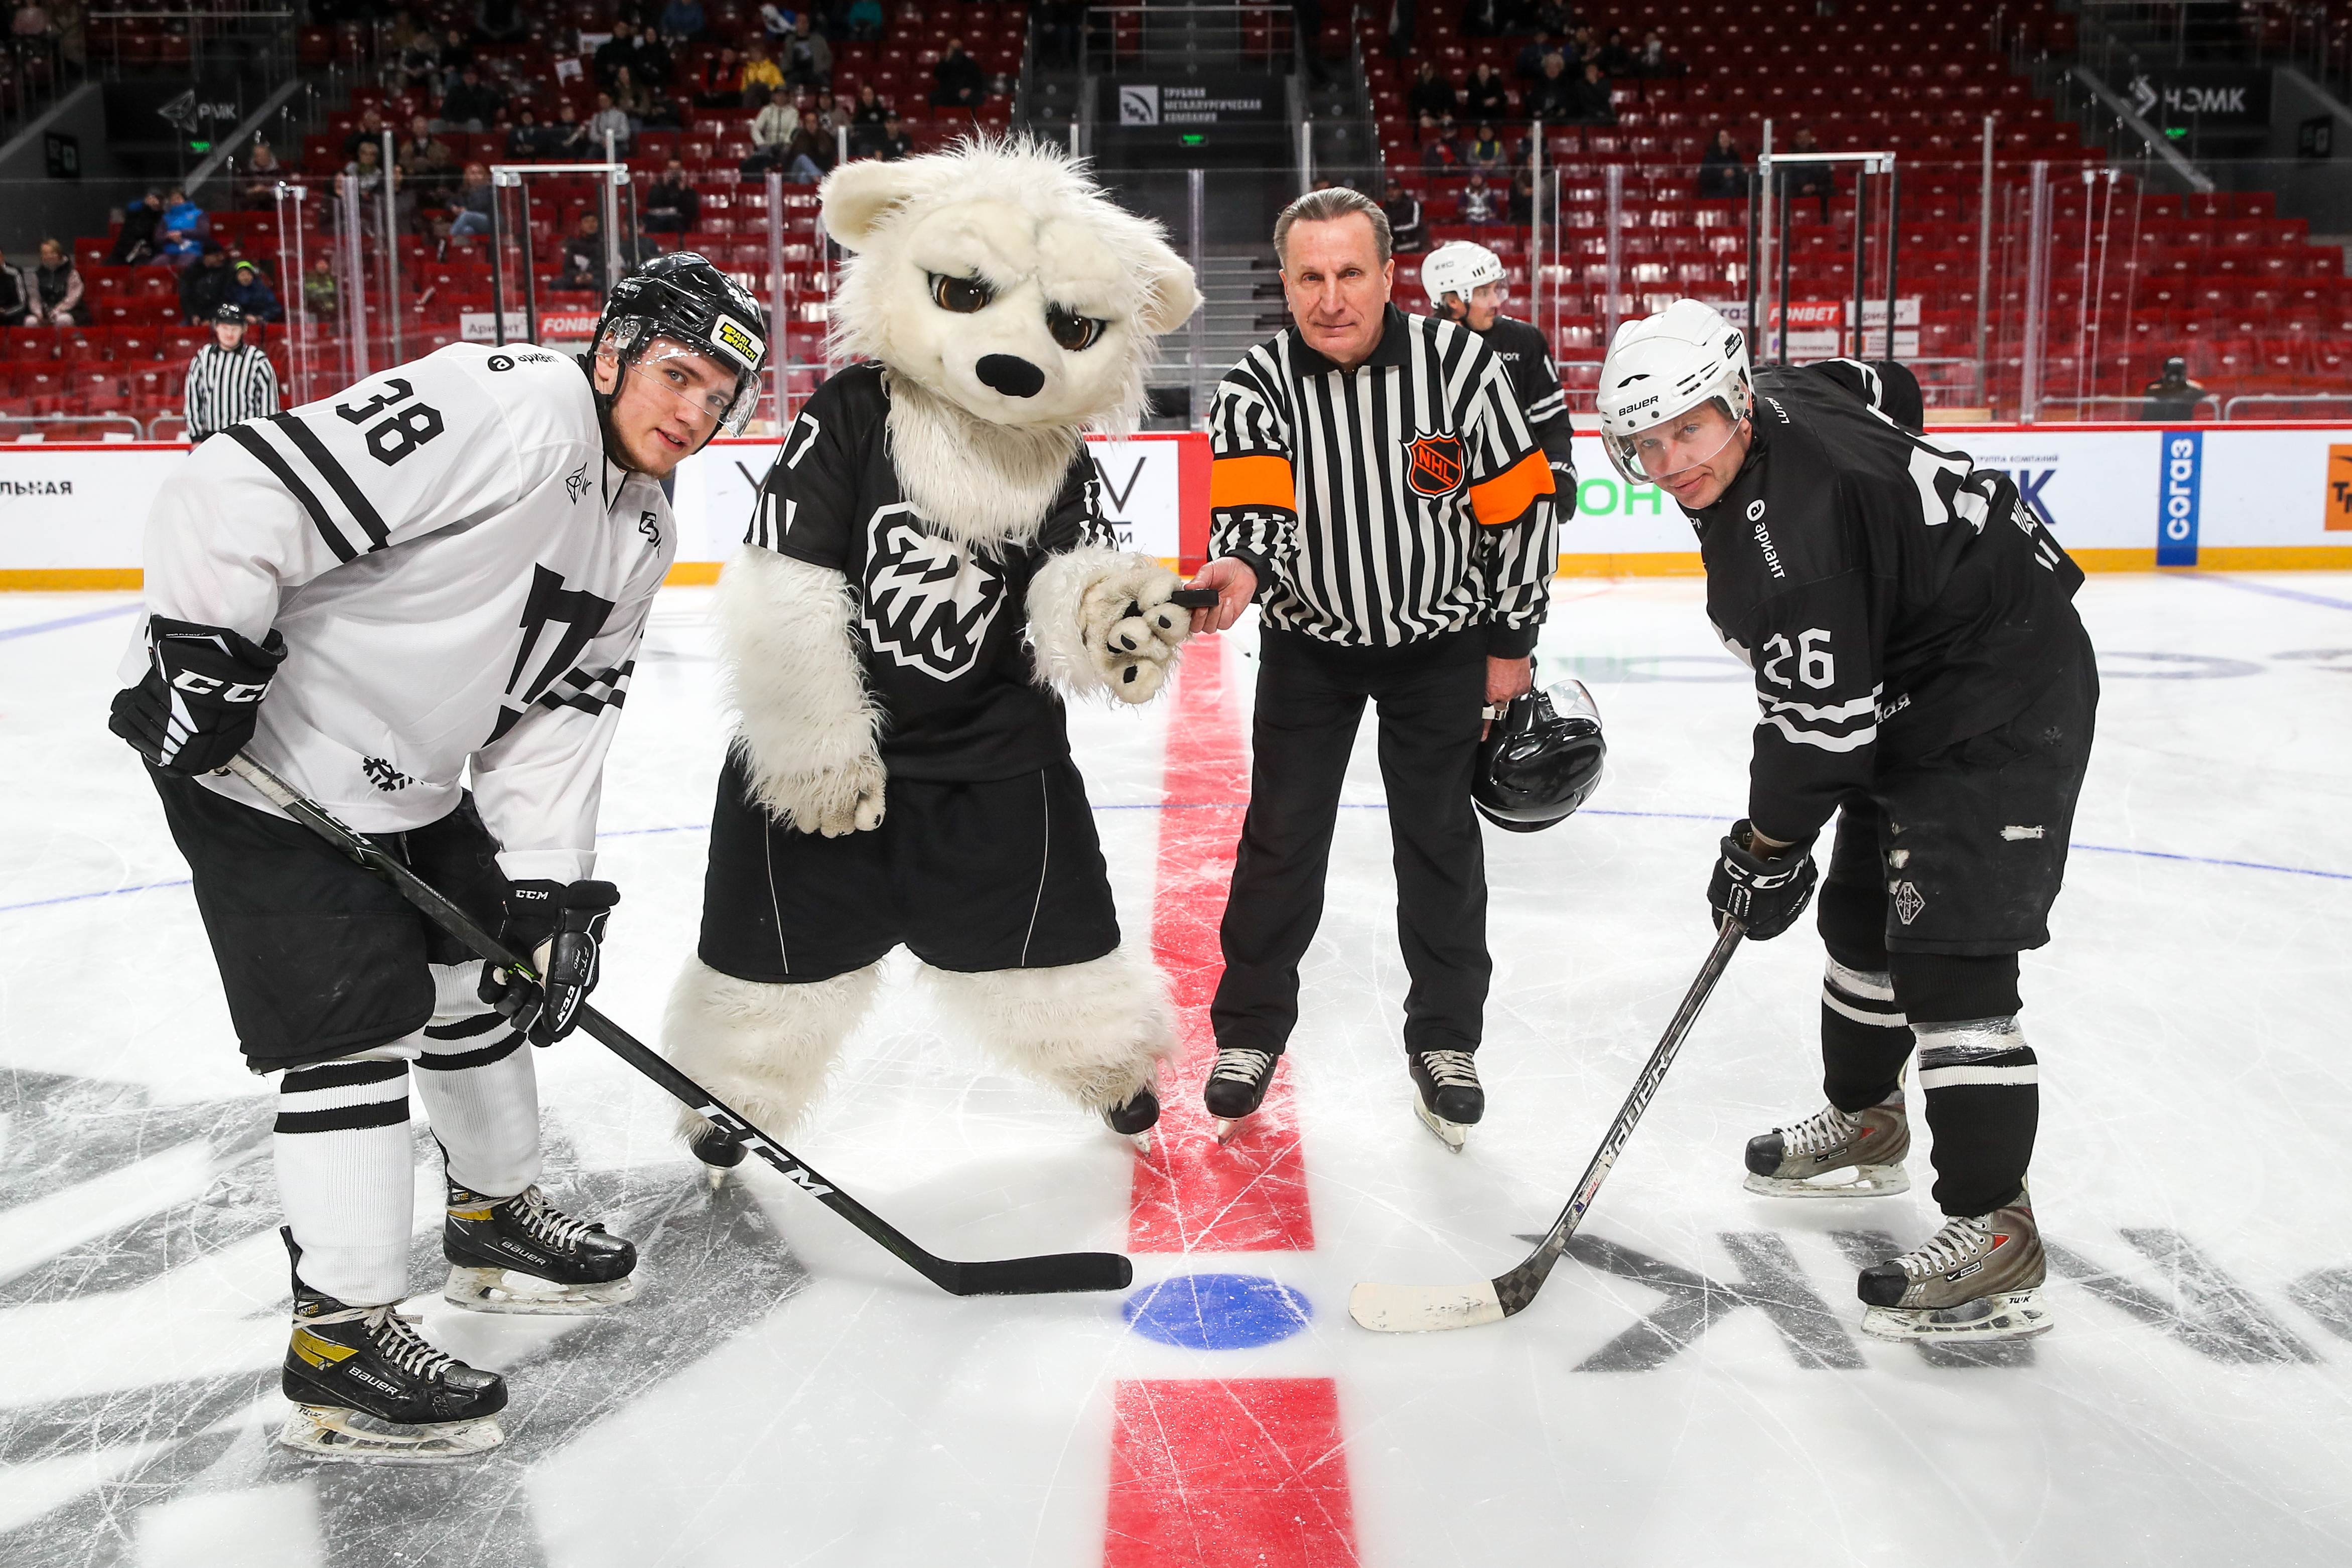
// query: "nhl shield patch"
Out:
[1435,464]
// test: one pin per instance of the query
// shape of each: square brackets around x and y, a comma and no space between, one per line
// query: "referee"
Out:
[1376,491]
[229,381]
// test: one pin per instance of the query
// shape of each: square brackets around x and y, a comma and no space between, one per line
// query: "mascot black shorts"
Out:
[1007,874]
[318,957]
[1967,847]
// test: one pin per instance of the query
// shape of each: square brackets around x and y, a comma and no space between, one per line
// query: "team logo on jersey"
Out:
[1435,464]
[928,604]
[577,483]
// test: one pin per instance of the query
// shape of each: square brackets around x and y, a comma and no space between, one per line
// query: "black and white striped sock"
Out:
[1866,1039]
[346,1176]
[1984,1105]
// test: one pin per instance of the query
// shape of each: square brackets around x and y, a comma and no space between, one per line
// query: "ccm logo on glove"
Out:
[1764,895]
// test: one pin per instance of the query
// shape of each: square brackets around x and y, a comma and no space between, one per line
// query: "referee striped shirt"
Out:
[1387,504]
[228,386]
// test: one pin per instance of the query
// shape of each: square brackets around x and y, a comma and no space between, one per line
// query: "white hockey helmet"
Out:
[1458,266]
[1664,365]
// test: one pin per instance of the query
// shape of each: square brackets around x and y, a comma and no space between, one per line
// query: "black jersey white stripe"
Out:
[1389,503]
[226,386]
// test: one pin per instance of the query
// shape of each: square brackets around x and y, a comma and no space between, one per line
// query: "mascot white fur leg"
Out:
[766,1050]
[1097,1030]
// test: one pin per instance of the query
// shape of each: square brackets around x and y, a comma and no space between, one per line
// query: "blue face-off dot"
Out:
[1217,1311]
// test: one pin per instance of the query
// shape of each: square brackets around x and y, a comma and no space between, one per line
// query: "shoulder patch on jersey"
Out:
[577,483]
[1437,466]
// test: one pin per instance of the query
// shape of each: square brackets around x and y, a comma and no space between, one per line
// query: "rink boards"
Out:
[2119,497]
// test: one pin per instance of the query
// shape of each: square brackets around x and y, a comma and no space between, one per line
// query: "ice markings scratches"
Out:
[1770,1282]
[2196,1303]
[68,1129]
[1863,1248]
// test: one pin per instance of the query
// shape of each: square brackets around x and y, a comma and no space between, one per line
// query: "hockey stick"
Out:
[1008,1276]
[1417,1309]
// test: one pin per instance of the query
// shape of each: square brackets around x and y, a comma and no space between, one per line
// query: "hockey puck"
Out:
[1194,599]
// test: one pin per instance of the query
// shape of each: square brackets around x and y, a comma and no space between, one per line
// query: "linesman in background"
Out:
[230,381]
[1465,284]
[1376,491]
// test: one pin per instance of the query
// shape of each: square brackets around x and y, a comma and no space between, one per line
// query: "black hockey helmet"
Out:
[683,297]
[229,316]
[1541,760]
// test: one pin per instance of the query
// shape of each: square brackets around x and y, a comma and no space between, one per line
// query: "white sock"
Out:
[479,1087]
[346,1176]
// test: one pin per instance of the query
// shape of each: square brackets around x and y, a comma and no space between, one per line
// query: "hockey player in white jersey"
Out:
[442,571]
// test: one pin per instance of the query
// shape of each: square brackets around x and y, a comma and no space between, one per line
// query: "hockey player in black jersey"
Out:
[1922,676]
[1465,284]
[435,578]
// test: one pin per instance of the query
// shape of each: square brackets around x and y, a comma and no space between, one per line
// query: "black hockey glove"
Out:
[560,927]
[201,698]
[1766,896]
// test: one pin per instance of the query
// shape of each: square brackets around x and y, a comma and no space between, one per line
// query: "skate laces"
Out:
[547,1223]
[1240,1064]
[1824,1130]
[1961,1239]
[392,1337]
[1450,1068]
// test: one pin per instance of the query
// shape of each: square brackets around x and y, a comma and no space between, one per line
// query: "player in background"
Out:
[1924,677]
[1465,284]
[442,572]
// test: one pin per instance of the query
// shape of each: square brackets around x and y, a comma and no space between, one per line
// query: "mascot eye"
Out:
[1071,330]
[964,296]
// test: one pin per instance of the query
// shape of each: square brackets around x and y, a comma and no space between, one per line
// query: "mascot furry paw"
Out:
[926,577]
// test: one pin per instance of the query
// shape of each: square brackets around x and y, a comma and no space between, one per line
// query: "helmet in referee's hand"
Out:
[1664,365]
[1458,268]
[1541,760]
[682,297]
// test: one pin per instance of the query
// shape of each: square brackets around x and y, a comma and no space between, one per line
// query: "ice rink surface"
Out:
[1691,1388]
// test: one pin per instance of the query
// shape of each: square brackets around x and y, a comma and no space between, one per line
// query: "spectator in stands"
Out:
[567,138]
[870,108]
[257,187]
[773,131]
[1553,99]
[1431,94]
[205,287]
[2172,396]
[417,66]
[959,82]
[1654,60]
[370,129]
[720,83]
[1807,179]
[15,298]
[671,205]
[1557,17]
[137,242]
[1615,58]
[864,21]
[500,21]
[681,21]
[894,143]
[1438,153]
[808,58]
[183,230]
[620,49]
[584,256]
[1484,96]
[457,54]
[318,294]
[472,105]
[830,118]
[629,96]
[1530,65]
[758,71]
[229,381]
[1408,230]
[1478,203]
[250,293]
[1594,105]
[472,203]
[1523,198]
[1486,155]
[527,138]
[662,113]
[427,166]
[652,60]
[1722,173]
[55,292]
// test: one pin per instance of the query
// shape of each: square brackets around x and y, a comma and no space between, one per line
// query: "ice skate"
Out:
[366,1386]
[1870,1144]
[1135,1117]
[1447,1095]
[718,1150]
[522,1254]
[1237,1087]
[1978,1278]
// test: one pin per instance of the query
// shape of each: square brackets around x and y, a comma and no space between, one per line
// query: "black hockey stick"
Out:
[1010,1277]
[1416,1309]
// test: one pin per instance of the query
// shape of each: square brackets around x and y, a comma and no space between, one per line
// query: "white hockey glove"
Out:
[1131,630]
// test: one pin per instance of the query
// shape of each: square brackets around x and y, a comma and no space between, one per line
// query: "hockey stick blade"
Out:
[1051,1275]
[1427,1309]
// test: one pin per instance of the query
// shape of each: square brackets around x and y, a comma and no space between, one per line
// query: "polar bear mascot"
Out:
[925,574]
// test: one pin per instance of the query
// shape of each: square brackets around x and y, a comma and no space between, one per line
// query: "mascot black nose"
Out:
[1010,374]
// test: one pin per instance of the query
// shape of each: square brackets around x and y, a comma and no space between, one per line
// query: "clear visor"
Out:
[705,395]
[1674,447]
[1569,699]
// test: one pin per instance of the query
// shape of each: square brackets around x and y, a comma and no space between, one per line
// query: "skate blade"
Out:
[1453,1134]
[1142,1144]
[331,1432]
[716,1176]
[1227,1130]
[511,1290]
[1868,1181]
[2012,1315]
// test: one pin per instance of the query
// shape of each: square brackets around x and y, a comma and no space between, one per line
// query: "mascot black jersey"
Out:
[939,621]
[1891,596]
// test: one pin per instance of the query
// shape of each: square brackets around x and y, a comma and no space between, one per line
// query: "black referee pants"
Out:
[1309,698]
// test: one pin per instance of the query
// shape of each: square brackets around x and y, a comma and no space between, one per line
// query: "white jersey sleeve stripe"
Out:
[363,511]
[253,441]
